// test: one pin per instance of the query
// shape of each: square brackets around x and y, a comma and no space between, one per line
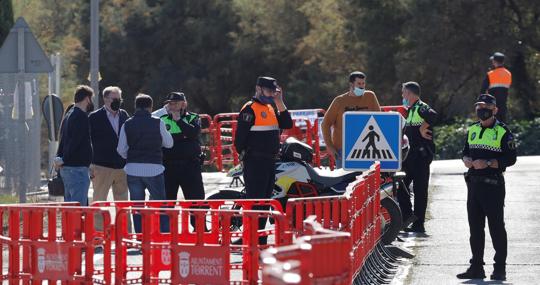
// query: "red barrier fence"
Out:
[42,247]
[224,154]
[207,139]
[215,241]
[179,250]
[356,212]
[225,130]
[302,262]
[400,109]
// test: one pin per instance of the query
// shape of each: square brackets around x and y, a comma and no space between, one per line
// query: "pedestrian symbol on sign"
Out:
[371,144]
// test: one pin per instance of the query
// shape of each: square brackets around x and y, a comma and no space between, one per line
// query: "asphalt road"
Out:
[444,250]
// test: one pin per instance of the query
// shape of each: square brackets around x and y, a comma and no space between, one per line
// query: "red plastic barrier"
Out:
[225,130]
[302,262]
[208,137]
[400,109]
[51,249]
[356,212]
[193,255]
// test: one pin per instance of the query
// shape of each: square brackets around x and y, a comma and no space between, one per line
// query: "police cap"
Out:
[498,57]
[486,99]
[267,82]
[175,96]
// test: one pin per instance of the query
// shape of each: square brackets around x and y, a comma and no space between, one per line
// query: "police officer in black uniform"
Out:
[489,150]
[182,161]
[419,130]
[257,139]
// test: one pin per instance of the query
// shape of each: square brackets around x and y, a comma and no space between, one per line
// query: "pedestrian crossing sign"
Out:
[370,137]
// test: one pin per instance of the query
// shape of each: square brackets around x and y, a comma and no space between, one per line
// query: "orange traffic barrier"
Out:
[43,247]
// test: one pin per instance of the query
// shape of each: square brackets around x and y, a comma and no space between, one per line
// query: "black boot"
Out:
[416,227]
[499,273]
[473,272]
[408,220]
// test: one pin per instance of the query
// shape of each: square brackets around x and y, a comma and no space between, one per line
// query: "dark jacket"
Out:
[143,138]
[185,133]
[105,140]
[75,147]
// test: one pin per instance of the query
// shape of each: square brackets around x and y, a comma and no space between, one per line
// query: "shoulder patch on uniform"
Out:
[247,117]
[511,142]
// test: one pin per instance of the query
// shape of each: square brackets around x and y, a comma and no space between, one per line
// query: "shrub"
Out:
[449,139]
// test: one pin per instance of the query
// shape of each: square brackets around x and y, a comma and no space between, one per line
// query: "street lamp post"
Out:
[94,49]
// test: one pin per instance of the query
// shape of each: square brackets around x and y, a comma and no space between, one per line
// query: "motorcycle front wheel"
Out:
[392,220]
[236,222]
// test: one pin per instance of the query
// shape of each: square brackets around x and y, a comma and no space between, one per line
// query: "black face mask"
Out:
[115,104]
[484,113]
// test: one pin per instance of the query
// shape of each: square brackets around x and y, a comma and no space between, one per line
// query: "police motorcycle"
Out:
[296,178]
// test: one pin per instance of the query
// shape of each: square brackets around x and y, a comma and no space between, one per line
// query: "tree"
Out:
[6,18]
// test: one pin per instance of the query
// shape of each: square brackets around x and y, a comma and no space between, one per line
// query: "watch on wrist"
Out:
[489,162]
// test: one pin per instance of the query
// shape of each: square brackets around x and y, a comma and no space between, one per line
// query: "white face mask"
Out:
[359,91]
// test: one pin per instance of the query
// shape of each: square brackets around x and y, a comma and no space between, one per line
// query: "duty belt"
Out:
[259,154]
[492,179]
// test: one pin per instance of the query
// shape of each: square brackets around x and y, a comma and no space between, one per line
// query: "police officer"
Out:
[257,138]
[419,130]
[182,161]
[497,83]
[489,149]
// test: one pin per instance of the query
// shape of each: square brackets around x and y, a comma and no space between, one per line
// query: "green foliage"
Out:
[6,19]
[450,138]
[214,50]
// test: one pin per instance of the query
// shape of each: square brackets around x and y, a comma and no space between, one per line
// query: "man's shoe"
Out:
[472,273]
[409,220]
[416,228]
[498,275]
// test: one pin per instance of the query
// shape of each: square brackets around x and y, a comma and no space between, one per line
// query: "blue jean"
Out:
[76,182]
[156,187]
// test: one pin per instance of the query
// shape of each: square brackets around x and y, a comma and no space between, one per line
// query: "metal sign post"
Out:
[94,50]
[22,55]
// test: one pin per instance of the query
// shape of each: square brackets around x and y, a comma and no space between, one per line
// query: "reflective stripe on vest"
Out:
[500,77]
[172,126]
[413,118]
[265,117]
[490,140]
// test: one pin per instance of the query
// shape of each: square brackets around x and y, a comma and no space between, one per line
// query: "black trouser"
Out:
[185,174]
[416,168]
[485,198]
[501,106]
[259,177]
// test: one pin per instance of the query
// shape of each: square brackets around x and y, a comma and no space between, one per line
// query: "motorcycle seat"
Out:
[327,181]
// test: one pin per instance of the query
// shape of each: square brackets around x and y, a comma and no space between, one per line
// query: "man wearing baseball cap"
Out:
[489,149]
[182,161]
[497,83]
[257,139]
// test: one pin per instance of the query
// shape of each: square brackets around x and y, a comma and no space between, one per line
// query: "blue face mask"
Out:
[266,100]
[359,91]
[405,102]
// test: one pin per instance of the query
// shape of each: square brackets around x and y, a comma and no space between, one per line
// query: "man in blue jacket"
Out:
[75,150]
